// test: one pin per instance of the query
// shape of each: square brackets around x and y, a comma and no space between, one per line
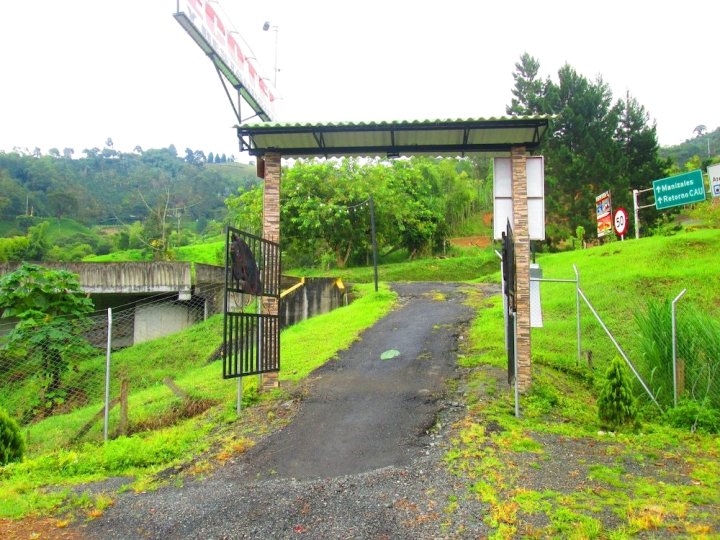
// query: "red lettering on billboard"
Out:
[235,50]
[215,23]
[196,5]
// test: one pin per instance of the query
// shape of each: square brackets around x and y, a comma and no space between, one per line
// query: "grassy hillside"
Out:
[695,146]
[557,472]
[207,253]
[619,279]
[164,428]
[59,229]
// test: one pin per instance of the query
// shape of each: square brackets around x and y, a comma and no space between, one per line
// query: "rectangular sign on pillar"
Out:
[714,176]
[502,193]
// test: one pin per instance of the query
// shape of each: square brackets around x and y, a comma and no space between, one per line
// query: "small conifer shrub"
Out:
[12,443]
[616,406]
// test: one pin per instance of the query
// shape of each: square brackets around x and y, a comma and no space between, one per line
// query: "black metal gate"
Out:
[508,270]
[251,341]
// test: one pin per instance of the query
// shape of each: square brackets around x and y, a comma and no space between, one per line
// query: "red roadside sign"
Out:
[620,221]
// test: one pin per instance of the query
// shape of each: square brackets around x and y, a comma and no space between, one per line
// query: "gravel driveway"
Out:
[363,458]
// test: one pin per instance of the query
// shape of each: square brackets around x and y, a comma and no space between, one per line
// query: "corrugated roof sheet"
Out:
[456,137]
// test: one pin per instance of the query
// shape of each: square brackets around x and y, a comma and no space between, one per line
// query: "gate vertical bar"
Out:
[674,345]
[107,373]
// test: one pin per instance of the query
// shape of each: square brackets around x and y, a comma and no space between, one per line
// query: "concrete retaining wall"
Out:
[310,297]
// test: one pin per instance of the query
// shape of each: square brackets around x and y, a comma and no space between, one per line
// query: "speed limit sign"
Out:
[620,222]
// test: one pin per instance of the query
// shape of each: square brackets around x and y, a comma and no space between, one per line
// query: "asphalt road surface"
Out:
[358,460]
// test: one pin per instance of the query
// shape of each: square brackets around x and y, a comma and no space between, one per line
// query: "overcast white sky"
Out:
[76,72]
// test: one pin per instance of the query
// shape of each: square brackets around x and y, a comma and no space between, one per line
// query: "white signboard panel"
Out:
[536,318]
[502,193]
[714,175]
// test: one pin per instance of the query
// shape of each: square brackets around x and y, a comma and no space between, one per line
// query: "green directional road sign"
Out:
[677,190]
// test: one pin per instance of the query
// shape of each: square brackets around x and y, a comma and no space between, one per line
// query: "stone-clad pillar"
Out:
[521,236]
[271,231]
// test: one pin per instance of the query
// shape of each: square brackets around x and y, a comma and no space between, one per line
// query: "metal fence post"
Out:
[674,345]
[577,312]
[374,241]
[107,373]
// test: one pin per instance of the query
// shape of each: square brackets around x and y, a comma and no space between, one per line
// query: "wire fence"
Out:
[671,346]
[42,381]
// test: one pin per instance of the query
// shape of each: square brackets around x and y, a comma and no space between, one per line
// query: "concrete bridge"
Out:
[154,299]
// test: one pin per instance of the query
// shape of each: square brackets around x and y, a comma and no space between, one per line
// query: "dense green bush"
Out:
[12,443]
[616,406]
[696,415]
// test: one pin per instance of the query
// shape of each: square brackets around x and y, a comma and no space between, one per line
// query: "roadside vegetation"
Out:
[556,472]
[192,433]
[559,471]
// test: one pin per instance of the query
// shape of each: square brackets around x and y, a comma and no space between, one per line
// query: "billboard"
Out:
[603,210]
[211,30]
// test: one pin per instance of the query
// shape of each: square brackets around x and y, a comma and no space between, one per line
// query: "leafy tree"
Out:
[616,405]
[13,248]
[63,203]
[38,243]
[325,215]
[52,312]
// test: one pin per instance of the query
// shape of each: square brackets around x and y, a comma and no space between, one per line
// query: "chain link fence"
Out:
[65,386]
[674,356]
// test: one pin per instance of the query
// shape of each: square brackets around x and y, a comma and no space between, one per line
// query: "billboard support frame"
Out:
[207,28]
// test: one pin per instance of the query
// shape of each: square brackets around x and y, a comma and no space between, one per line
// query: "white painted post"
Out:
[674,345]
[107,373]
[238,405]
[636,212]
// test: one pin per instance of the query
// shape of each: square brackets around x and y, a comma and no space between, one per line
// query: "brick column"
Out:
[271,231]
[522,265]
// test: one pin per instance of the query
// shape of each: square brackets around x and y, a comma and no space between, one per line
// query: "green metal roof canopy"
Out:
[393,139]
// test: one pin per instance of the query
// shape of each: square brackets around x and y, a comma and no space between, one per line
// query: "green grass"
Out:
[473,226]
[129,255]
[651,480]
[60,228]
[54,461]
[464,268]
[207,253]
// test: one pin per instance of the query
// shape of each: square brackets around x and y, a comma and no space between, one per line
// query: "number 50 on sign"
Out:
[620,222]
